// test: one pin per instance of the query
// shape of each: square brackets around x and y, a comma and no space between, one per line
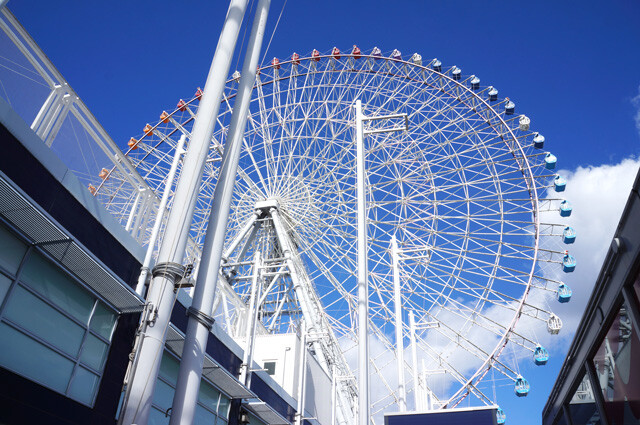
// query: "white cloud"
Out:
[598,196]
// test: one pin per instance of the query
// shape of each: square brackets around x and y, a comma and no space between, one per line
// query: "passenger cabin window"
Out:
[52,330]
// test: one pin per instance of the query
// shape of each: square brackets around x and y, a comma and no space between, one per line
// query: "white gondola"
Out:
[554,324]
[417,59]
[524,123]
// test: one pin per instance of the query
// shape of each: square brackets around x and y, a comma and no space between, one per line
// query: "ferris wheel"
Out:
[458,206]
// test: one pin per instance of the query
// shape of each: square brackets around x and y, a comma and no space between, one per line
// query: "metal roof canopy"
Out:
[266,413]
[25,214]
[485,415]
[211,369]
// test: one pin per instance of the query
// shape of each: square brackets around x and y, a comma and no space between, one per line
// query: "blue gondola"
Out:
[521,387]
[376,53]
[437,65]
[569,235]
[396,55]
[475,83]
[501,417]
[559,184]
[565,208]
[493,94]
[550,161]
[568,263]
[538,141]
[540,355]
[456,73]
[564,293]
[509,108]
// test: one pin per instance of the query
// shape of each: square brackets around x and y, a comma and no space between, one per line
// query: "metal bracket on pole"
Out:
[206,320]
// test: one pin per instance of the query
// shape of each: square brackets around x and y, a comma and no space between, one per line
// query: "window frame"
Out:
[16,281]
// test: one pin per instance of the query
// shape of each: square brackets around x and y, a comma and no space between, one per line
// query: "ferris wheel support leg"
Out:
[402,404]
[363,289]
[142,381]
[159,217]
[186,395]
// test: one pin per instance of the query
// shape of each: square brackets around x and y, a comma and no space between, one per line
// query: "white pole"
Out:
[141,384]
[144,272]
[414,360]
[200,321]
[252,322]
[402,403]
[302,373]
[334,388]
[363,289]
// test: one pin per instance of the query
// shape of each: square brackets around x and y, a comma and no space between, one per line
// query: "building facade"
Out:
[599,382]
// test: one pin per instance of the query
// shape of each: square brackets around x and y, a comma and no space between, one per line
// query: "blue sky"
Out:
[572,67]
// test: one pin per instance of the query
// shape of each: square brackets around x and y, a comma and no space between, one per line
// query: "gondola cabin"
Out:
[538,141]
[540,355]
[559,184]
[569,235]
[564,293]
[521,387]
[550,161]
[565,209]
[568,263]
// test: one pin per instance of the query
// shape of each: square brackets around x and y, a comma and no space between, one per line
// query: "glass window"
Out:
[618,370]
[52,330]
[212,405]
[84,385]
[33,360]
[270,367]
[103,320]
[55,285]
[5,283]
[94,352]
[44,321]
[12,250]
[582,406]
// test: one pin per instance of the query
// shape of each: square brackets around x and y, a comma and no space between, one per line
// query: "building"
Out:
[69,311]
[599,382]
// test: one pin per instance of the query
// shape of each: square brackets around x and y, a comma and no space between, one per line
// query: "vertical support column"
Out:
[414,360]
[200,321]
[250,329]
[144,272]
[402,403]
[142,382]
[363,288]
[334,388]
[302,373]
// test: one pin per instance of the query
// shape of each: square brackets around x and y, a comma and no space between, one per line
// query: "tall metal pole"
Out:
[414,360]
[397,304]
[200,321]
[169,269]
[252,322]
[363,289]
[302,373]
[334,388]
[144,272]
